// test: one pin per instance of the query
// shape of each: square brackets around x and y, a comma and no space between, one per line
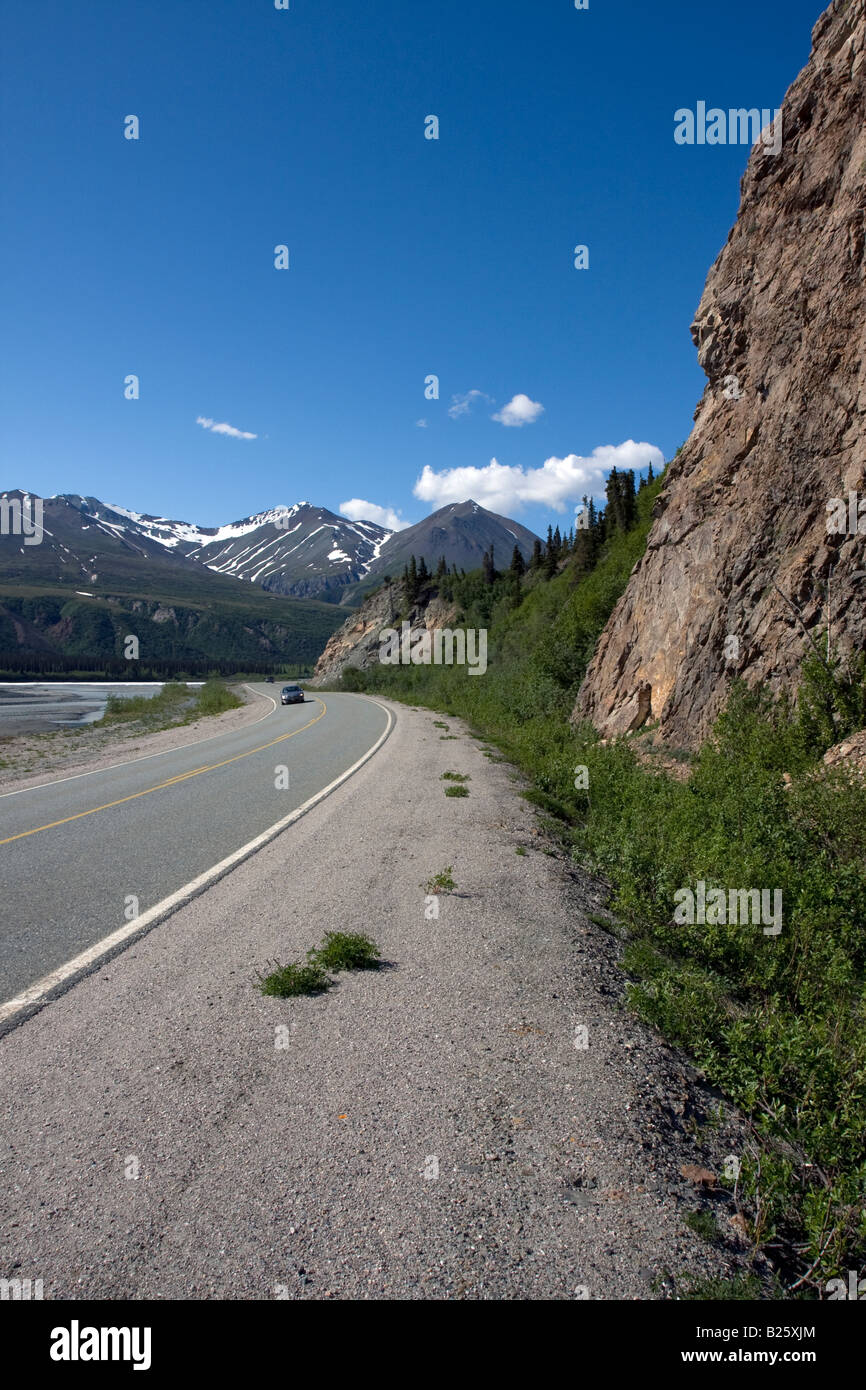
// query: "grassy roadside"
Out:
[175,704]
[776,1021]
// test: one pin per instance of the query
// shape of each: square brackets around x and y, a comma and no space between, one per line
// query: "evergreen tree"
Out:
[535,559]
[551,556]
[423,572]
[629,499]
[614,499]
[518,564]
[413,580]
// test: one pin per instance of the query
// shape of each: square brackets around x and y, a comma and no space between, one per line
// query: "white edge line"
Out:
[37,994]
[144,757]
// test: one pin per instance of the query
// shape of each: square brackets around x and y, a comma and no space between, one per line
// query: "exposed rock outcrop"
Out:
[849,754]
[740,565]
[357,642]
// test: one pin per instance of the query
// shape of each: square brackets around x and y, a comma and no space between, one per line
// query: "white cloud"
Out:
[422,424]
[557,482]
[223,428]
[356,509]
[461,405]
[520,410]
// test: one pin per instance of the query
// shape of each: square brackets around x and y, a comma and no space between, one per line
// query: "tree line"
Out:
[583,541]
[55,666]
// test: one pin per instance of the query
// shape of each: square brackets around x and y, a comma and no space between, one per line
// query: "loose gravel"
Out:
[439,1129]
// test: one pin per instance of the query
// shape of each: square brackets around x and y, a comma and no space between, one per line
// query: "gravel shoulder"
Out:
[427,1131]
[31,760]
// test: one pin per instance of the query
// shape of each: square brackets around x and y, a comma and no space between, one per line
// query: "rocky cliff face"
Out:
[358,641]
[740,564]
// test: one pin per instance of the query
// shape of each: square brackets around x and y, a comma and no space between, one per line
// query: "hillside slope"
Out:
[740,547]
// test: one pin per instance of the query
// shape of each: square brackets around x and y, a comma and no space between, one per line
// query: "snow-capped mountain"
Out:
[302,550]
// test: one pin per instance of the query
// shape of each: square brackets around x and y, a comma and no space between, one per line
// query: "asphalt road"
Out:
[430,1130]
[75,853]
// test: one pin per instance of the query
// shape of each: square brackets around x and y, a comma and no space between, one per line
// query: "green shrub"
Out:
[442,882]
[703,1223]
[215,697]
[354,679]
[339,951]
[285,981]
[346,951]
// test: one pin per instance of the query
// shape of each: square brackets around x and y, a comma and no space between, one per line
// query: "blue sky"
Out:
[408,256]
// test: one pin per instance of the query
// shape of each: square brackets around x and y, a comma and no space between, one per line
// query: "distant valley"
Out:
[270,588]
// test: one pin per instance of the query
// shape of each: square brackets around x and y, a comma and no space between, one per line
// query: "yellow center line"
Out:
[170,782]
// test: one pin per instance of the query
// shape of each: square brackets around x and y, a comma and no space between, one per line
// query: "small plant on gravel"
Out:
[457,791]
[745,1287]
[284,981]
[704,1224]
[439,724]
[455,777]
[443,737]
[346,951]
[440,883]
[339,951]
[521,849]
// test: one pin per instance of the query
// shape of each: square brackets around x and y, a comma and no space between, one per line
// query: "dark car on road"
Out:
[292,695]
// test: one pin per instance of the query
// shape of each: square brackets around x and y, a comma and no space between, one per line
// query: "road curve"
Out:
[86,857]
